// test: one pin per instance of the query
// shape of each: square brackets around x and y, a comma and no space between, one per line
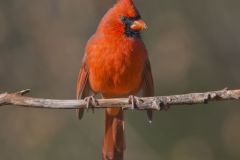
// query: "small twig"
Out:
[155,103]
[23,92]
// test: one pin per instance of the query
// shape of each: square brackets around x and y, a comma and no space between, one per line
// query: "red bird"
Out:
[116,64]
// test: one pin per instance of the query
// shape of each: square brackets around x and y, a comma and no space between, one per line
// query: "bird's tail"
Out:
[114,139]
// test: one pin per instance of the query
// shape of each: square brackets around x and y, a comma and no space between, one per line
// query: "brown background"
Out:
[193,46]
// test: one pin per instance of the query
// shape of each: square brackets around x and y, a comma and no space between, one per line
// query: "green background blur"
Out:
[194,46]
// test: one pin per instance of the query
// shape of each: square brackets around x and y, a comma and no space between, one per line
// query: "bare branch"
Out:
[155,103]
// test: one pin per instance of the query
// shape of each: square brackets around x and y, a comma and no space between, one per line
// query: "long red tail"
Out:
[114,140]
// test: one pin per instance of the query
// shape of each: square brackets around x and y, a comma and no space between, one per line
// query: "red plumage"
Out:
[116,65]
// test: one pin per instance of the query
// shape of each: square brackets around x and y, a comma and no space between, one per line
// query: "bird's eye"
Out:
[123,18]
[126,20]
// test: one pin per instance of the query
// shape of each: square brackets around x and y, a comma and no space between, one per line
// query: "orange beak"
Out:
[138,25]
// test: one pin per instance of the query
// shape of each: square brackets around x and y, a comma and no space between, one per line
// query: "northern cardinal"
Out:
[116,64]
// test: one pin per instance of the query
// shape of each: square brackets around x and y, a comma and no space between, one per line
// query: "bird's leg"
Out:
[134,101]
[91,101]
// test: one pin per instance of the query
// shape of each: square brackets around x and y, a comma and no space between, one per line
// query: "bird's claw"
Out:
[134,101]
[91,101]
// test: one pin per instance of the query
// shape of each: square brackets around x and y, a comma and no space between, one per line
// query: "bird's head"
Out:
[122,19]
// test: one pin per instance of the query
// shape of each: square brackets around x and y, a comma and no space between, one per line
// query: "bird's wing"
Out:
[83,86]
[147,85]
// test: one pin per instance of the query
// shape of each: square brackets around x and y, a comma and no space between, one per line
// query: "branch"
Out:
[143,103]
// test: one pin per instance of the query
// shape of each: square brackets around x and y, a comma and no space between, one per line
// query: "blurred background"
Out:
[193,45]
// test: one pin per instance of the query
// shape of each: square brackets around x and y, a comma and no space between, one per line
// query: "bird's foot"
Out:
[91,101]
[134,101]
